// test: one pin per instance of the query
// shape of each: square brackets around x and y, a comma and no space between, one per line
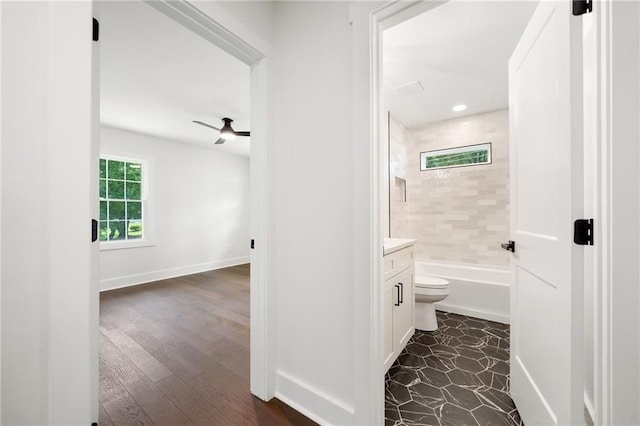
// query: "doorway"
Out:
[448,103]
[390,18]
[199,23]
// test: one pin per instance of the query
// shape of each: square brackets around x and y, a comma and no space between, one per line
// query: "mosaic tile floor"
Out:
[457,375]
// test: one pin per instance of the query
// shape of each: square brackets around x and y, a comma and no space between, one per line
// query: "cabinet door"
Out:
[389,300]
[403,315]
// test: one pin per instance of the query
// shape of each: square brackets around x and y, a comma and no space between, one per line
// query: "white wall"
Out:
[401,143]
[461,214]
[256,16]
[314,210]
[624,226]
[314,179]
[197,212]
[24,298]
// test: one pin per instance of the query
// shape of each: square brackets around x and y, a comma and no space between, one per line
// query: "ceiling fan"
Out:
[226,132]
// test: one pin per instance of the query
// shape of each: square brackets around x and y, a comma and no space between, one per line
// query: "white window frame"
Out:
[146,240]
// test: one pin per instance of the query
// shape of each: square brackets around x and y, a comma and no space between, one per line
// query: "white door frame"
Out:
[608,208]
[381,19]
[262,310]
[616,272]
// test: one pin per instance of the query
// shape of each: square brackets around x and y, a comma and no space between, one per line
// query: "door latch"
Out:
[509,246]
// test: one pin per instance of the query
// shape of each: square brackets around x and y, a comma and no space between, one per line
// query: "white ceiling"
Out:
[459,51]
[156,77]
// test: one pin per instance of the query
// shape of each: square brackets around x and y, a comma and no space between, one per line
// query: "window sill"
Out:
[121,245]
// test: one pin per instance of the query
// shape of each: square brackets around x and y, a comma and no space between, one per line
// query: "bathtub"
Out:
[474,290]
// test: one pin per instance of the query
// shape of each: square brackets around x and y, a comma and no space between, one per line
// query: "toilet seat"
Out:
[426,281]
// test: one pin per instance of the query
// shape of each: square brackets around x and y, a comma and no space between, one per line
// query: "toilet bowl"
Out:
[428,290]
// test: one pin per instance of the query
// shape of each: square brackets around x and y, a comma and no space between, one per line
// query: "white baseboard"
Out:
[313,403]
[460,310]
[131,280]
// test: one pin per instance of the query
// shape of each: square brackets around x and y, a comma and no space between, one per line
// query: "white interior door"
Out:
[545,83]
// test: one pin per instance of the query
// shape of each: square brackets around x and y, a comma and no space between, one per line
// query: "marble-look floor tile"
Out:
[457,375]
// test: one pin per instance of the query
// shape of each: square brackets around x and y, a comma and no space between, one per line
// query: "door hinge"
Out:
[96,29]
[580,7]
[253,244]
[94,230]
[583,232]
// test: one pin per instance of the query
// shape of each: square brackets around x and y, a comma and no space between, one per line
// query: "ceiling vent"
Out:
[410,89]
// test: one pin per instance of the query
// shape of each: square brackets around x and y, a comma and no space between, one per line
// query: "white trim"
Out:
[257,54]
[126,244]
[617,375]
[192,18]
[148,277]
[602,231]
[385,17]
[588,405]
[302,397]
[70,340]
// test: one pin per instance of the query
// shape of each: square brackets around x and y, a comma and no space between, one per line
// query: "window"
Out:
[471,155]
[122,198]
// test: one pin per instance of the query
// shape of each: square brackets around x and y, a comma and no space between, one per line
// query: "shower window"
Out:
[471,155]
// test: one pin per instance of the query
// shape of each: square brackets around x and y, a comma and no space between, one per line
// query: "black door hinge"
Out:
[583,232]
[94,230]
[96,29]
[253,244]
[580,7]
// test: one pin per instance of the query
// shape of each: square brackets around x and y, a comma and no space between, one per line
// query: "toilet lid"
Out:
[430,282]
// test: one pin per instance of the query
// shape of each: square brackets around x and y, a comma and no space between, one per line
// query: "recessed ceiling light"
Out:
[459,108]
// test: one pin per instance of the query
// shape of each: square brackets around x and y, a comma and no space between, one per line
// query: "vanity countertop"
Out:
[391,245]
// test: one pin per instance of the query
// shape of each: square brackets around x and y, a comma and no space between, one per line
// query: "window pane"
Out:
[104,231]
[103,210]
[455,157]
[117,230]
[133,191]
[103,188]
[116,210]
[134,230]
[103,168]
[116,189]
[115,169]
[134,171]
[134,210]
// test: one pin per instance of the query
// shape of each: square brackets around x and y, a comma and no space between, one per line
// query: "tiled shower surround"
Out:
[457,375]
[458,215]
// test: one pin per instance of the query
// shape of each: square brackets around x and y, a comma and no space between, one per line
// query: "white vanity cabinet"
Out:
[398,302]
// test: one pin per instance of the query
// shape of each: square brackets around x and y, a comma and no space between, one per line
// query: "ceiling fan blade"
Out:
[220,140]
[243,133]
[206,125]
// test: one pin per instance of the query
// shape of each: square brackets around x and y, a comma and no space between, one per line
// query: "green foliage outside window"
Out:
[456,157]
[120,200]
[459,159]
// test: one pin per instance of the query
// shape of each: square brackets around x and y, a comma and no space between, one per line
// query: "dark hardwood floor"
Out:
[176,352]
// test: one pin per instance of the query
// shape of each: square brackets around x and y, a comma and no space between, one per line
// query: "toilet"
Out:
[428,290]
